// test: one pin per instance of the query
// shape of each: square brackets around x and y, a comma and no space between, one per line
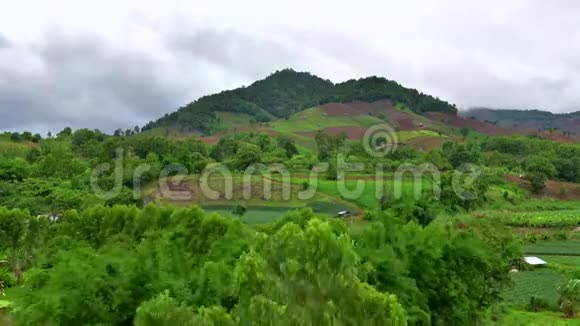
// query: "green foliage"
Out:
[239,210]
[417,257]
[279,95]
[375,88]
[570,298]
[329,146]
[459,154]
[286,92]
[541,219]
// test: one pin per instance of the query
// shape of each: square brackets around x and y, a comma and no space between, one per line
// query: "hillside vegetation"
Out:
[286,92]
[529,119]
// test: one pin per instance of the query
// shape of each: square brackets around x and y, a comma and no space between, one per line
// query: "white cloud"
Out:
[113,64]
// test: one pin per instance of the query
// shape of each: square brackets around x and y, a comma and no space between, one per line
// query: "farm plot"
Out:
[253,214]
[543,219]
[559,248]
[542,283]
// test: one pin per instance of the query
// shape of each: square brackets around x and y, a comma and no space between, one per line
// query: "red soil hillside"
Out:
[405,121]
[461,122]
[554,189]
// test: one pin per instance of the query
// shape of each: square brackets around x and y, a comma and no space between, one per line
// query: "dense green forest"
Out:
[285,92]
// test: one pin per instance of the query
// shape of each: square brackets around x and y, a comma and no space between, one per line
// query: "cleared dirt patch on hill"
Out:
[554,189]
[403,120]
[480,126]
[559,137]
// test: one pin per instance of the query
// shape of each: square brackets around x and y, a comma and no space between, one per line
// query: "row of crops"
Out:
[564,218]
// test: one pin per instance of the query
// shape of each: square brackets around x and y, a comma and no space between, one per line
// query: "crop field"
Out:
[266,214]
[569,262]
[564,248]
[543,219]
[260,209]
[368,196]
[253,214]
[542,283]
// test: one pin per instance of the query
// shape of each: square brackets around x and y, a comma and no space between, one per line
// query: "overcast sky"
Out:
[109,64]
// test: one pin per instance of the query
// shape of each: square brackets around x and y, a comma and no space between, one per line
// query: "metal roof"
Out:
[534,261]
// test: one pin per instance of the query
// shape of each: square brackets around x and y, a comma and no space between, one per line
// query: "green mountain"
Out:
[286,92]
[528,119]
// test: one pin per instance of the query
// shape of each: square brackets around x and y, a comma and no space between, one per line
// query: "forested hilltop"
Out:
[287,91]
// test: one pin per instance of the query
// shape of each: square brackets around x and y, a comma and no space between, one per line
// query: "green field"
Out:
[569,262]
[569,248]
[267,214]
[543,283]
[543,318]
[253,214]
[314,119]
[369,196]
[559,218]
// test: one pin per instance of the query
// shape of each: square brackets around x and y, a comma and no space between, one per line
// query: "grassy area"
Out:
[12,148]
[408,135]
[569,262]
[266,214]
[368,197]
[227,121]
[571,248]
[543,282]
[543,318]
[313,119]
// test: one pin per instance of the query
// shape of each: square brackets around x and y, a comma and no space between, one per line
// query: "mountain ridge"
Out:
[287,91]
[527,119]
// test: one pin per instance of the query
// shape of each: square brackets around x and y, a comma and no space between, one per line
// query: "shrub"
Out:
[369,216]
[562,235]
[570,298]
[239,210]
[537,304]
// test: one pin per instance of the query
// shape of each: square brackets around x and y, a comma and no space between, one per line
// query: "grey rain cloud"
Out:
[149,59]
[4,42]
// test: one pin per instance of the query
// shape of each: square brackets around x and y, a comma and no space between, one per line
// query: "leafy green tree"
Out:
[287,144]
[14,169]
[540,164]
[247,155]
[66,132]
[15,137]
[313,265]
[458,154]
[537,181]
